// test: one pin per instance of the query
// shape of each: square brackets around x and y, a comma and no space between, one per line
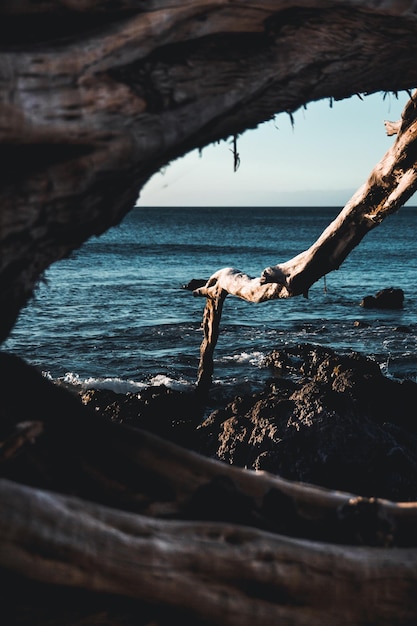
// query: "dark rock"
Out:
[324,418]
[194,283]
[360,324]
[385,299]
[339,423]
[166,412]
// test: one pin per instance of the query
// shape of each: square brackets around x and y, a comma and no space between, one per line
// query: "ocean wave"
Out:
[118,385]
[254,358]
[114,317]
[167,381]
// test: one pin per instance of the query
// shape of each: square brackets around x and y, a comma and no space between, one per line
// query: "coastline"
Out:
[322,418]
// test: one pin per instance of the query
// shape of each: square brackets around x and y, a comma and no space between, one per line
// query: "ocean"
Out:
[115,313]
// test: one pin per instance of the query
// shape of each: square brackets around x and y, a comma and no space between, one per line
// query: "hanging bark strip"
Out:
[391,183]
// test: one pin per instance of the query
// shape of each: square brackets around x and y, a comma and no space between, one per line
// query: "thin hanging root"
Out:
[236,157]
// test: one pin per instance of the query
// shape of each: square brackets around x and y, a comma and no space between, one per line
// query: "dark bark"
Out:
[226,575]
[143,519]
[96,97]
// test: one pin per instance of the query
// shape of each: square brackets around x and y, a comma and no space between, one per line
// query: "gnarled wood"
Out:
[391,183]
[95,97]
[223,574]
[75,451]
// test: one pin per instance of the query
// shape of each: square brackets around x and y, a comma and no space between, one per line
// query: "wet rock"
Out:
[360,324]
[194,283]
[166,412]
[323,418]
[402,329]
[385,299]
[339,423]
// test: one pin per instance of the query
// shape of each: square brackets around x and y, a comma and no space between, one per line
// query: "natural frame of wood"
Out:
[86,117]
[95,99]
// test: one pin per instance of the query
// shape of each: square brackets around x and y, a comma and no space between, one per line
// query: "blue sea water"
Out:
[115,313]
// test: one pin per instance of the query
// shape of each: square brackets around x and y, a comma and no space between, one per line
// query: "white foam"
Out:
[118,385]
[254,358]
[162,379]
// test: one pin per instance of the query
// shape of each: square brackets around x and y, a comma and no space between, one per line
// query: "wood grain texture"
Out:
[96,97]
[226,575]
[145,520]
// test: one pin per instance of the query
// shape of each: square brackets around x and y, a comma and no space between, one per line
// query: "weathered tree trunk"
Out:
[96,97]
[391,183]
[223,574]
[148,520]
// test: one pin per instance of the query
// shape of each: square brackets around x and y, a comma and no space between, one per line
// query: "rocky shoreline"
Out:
[323,418]
[83,478]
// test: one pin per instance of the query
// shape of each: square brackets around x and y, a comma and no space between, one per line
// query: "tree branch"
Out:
[391,183]
[250,576]
[96,97]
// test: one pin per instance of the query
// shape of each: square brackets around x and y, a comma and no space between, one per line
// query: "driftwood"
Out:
[146,519]
[136,471]
[94,98]
[391,183]
[150,520]
[224,574]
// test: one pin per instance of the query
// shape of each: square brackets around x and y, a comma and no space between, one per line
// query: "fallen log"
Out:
[147,520]
[221,574]
[96,97]
[390,184]
[133,470]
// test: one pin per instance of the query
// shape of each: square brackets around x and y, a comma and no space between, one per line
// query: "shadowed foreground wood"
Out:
[149,520]
[224,574]
[69,448]
[94,98]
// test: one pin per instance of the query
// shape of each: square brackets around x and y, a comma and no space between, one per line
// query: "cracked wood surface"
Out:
[225,575]
[95,98]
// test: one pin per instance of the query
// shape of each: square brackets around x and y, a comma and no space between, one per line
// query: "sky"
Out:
[320,161]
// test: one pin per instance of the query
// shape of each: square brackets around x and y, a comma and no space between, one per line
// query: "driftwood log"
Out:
[391,183]
[224,574]
[94,98]
[141,518]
